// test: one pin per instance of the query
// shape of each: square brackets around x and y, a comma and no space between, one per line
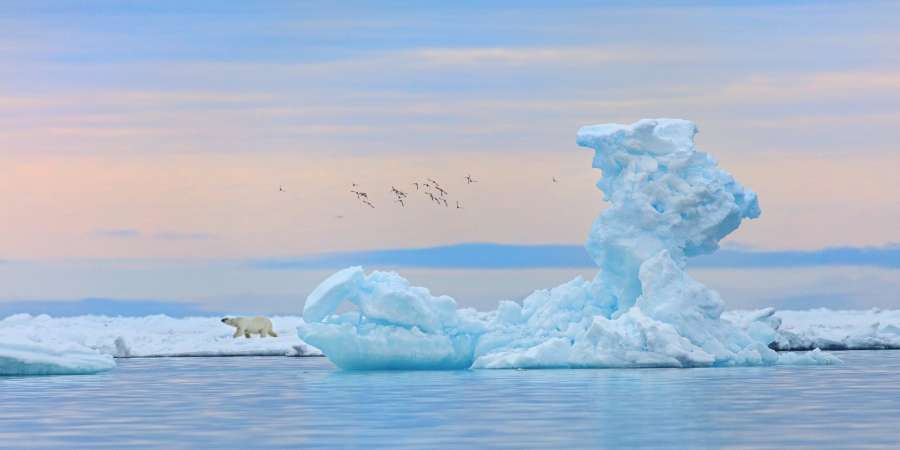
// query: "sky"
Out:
[143,144]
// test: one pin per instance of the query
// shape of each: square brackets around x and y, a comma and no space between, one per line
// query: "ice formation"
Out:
[160,335]
[872,329]
[21,355]
[668,202]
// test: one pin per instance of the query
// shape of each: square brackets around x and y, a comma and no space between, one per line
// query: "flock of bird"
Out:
[430,188]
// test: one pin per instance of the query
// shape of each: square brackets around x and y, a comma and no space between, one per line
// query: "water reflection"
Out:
[290,402]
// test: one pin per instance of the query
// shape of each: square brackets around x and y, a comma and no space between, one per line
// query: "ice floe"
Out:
[22,355]
[160,335]
[872,329]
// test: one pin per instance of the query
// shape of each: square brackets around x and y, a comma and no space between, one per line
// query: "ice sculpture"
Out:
[668,202]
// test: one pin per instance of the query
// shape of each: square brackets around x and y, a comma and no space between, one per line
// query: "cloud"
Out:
[887,256]
[129,233]
[505,256]
[182,236]
[102,306]
[469,255]
[122,233]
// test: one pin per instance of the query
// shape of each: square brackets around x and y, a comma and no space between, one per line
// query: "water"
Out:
[305,402]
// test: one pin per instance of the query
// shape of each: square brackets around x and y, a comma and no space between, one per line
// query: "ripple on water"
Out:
[294,402]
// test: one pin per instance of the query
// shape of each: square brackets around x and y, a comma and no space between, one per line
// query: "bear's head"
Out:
[228,320]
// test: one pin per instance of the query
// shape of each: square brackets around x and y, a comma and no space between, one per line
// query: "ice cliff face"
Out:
[668,202]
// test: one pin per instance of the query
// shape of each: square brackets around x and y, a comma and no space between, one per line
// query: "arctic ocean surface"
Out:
[273,402]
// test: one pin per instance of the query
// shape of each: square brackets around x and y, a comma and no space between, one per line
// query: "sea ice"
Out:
[668,202]
[825,329]
[25,356]
[161,335]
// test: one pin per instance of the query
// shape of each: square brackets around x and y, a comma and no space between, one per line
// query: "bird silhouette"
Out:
[469,179]
[457,205]
[281,188]
[400,201]
[555,180]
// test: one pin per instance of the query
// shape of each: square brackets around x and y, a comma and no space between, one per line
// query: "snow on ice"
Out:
[160,335]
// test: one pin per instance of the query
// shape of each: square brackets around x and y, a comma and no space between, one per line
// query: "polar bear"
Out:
[250,325]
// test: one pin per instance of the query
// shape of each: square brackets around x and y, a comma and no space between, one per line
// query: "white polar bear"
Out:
[250,325]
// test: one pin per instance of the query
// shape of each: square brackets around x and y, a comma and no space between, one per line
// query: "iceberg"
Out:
[667,202]
[25,356]
[160,335]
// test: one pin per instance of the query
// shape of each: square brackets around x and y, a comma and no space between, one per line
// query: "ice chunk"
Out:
[24,356]
[396,326]
[668,202]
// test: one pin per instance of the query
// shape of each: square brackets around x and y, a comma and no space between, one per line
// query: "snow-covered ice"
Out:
[668,202]
[160,335]
[872,329]
[22,355]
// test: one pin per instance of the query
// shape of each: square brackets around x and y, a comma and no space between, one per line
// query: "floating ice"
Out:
[872,329]
[25,356]
[668,202]
[161,335]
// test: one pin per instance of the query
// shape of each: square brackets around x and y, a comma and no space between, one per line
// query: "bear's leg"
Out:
[271,333]
[236,333]
[262,333]
[247,334]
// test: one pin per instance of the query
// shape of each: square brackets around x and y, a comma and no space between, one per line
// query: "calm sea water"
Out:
[305,402]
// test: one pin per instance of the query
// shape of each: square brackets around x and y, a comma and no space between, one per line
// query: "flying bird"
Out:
[398,192]
[400,201]
[457,205]
[281,188]
[469,179]
[555,180]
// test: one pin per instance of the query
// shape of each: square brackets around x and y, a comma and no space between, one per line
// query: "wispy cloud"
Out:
[130,233]
[887,256]
[470,255]
[505,256]
[120,233]
[182,236]
[102,306]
